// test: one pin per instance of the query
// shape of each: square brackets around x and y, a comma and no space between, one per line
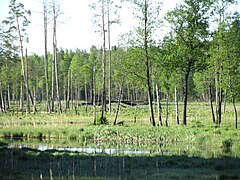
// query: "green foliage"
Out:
[227,145]
[103,120]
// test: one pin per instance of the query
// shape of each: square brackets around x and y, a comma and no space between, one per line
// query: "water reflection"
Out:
[107,148]
[89,150]
[31,159]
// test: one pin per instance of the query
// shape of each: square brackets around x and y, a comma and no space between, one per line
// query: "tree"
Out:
[148,14]
[231,64]
[111,19]
[93,62]
[45,17]
[17,23]
[218,54]
[8,60]
[190,23]
[55,14]
[101,16]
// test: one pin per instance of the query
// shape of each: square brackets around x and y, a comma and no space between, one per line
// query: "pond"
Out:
[53,159]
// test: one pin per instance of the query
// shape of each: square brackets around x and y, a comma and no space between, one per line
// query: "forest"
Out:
[150,106]
[193,62]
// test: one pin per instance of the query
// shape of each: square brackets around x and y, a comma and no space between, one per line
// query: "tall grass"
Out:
[69,126]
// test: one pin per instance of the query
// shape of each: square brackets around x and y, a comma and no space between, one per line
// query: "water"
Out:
[116,149]
[88,150]
[36,159]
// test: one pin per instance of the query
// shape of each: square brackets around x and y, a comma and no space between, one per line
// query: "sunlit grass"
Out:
[69,126]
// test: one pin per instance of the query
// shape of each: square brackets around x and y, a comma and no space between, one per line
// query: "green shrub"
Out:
[103,120]
[227,146]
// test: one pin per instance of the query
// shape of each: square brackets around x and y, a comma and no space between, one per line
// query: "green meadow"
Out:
[197,150]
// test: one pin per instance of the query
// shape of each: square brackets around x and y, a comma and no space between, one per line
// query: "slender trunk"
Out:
[128,92]
[72,91]
[94,96]
[211,103]
[176,105]
[2,99]
[167,99]
[135,115]
[53,66]
[225,102]
[22,59]
[46,55]
[186,96]
[148,75]
[159,107]
[110,66]
[86,96]
[218,101]
[118,105]
[34,99]
[68,90]
[52,86]
[58,89]
[21,95]
[28,100]
[103,65]
[8,95]
[55,57]
[1,108]
[235,112]
[218,85]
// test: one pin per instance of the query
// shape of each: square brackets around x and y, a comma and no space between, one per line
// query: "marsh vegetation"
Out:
[69,146]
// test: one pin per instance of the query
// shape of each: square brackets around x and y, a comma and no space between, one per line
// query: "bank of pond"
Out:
[65,159]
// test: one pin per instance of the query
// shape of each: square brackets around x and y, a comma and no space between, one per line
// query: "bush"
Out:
[103,120]
[227,145]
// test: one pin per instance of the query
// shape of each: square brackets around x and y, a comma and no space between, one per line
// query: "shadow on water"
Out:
[29,163]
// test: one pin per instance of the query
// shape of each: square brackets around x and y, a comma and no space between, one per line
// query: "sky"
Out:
[75,27]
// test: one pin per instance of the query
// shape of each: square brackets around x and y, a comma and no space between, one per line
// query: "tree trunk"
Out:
[176,105]
[21,96]
[34,100]
[2,103]
[218,101]
[8,95]
[159,107]
[211,103]
[68,90]
[46,55]
[86,96]
[118,105]
[22,60]
[110,66]
[52,86]
[167,99]
[147,63]
[72,91]
[55,57]
[225,101]
[235,112]
[94,96]
[28,99]
[103,65]
[186,95]
[135,115]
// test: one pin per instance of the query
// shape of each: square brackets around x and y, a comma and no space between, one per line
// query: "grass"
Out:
[68,126]
[196,151]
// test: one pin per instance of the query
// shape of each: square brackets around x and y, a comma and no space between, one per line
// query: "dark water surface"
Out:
[31,159]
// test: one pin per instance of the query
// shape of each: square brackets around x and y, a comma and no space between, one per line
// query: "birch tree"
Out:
[147,12]
[190,23]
